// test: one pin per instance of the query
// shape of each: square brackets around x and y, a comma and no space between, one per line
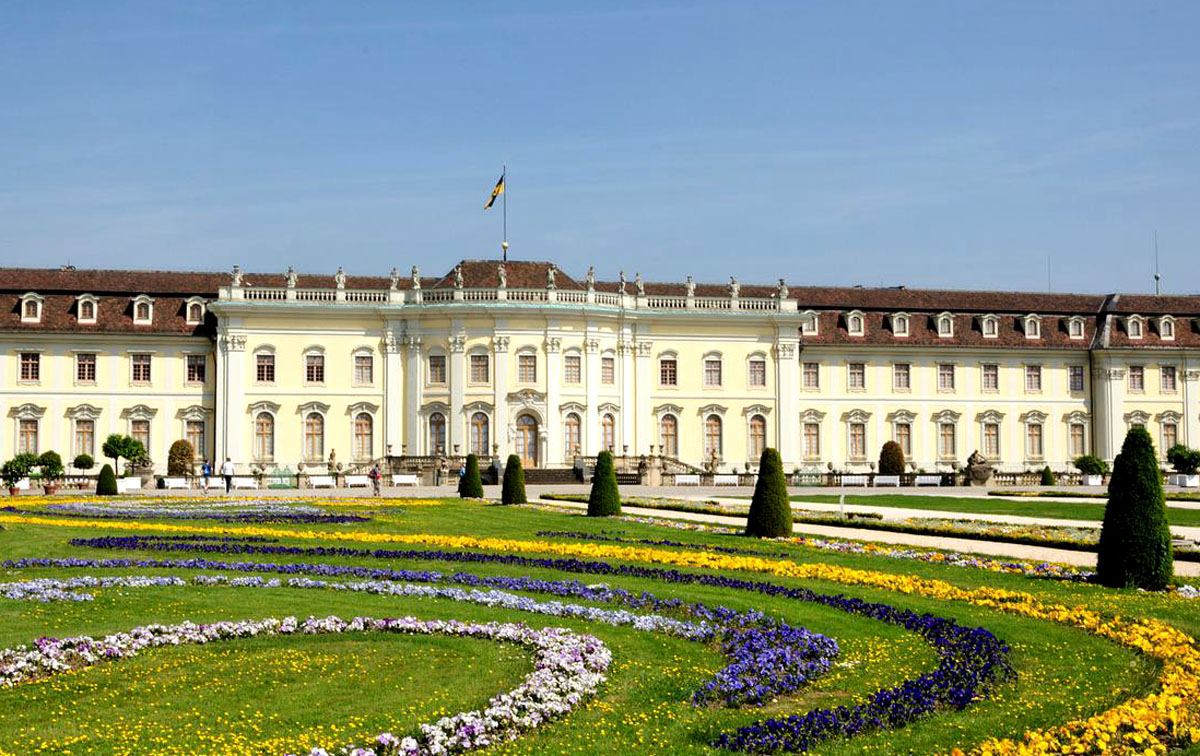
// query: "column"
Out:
[553,425]
[643,375]
[591,348]
[625,358]
[1191,406]
[393,393]
[1108,387]
[414,376]
[458,380]
[500,422]
[231,376]
[787,410]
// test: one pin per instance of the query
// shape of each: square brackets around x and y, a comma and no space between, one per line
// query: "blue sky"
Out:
[928,144]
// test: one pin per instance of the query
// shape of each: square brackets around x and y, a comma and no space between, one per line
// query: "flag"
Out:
[495,192]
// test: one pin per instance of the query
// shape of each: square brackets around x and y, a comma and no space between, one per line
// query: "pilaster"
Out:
[458,379]
[414,379]
[393,393]
[231,378]
[642,437]
[1191,407]
[1108,384]
[787,390]
[500,419]
[553,378]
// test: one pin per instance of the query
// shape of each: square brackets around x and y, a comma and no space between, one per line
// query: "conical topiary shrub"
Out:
[1135,541]
[470,485]
[605,500]
[106,484]
[891,459]
[513,491]
[1048,478]
[770,509]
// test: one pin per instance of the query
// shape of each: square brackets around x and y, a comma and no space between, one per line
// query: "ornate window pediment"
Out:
[1033,416]
[358,407]
[946,416]
[1170,416]
[856,416]
[27,412]
[668,409]
[609,407]
[756,409]
[474,407]
[811,416]
[901,416]
[1137,418]
[572,407]
[84,412]
[990,417]
[1078,416]
[712,409]
[307,407]
[195,412]
[269,407]
[139,412]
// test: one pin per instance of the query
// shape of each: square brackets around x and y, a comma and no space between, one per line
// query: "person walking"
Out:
[376,478]
[227,473]
[206,473]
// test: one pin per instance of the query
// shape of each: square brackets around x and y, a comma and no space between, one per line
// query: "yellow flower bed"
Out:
[1143,726]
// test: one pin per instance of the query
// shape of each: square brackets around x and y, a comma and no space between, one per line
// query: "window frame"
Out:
[314,364]
[712,365]
[189,360]
[473,360]
[574,359]
[362,353]
[527,367]
[144,360]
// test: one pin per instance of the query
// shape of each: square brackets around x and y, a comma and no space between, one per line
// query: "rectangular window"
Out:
[903,437]
[812,375]
[758,373]
[1170,436]
[857,375]
[480,369]
[945,377]
[1078,447]
[902,376]
[608,370]
[31,366]
[1033,441]
[196,368]
[85,368]
[364,370]
[991,377]
[991,440]
[1075,378]
[712,373]
[858,440]
[314,368]
[1169,386]
[85,437]
[1033,379]
[139,430]
[1137,378]
[947,441]
[140,372]
[437,368]
[812,441]
[527,368]
[264,366]
[27,437]
[572,369]
[668,372]
[195,437]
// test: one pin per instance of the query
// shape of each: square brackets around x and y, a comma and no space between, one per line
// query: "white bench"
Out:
[887,480]
[406,479]
[725,480]
[687,480]
[243,481]
[856,480]
[175,483]
[928,480]
[358,481]
[321,481]
[128,485]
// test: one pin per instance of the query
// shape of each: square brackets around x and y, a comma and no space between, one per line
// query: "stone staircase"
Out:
[550,476]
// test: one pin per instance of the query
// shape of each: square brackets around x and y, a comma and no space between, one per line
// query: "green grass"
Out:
[282,692]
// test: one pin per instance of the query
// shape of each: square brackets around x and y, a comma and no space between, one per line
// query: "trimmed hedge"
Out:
[470,485]
[1135,540]
[770,509]
[513,490]
[106,484]
[605,499]
[83,462]
[180,457]
[891,459]
[1048,478]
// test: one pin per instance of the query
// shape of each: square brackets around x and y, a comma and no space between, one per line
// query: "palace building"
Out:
[491,358]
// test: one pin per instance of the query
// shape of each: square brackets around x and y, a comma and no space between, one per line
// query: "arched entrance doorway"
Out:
[527,440]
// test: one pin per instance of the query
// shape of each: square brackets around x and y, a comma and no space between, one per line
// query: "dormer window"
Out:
[1133,325]
[1033,327]
[1166,328]
[1075,328]
[945,325]
[900,324]
[854,323]
[990,325]
[808,326]
[195,311]
[143,310]
[85,309]
[31,308]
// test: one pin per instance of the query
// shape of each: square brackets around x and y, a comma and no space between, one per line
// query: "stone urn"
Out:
[978,470]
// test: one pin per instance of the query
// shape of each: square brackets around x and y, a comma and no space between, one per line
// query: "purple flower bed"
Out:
[971,660]
[618,538]
[296,518]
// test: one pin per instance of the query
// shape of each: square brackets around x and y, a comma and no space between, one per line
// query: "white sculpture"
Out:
[641,286]
[291,277]
[591,278]
[235,278]
[691,287]
[339,278]
[416,278]
[502,273]
[395,280]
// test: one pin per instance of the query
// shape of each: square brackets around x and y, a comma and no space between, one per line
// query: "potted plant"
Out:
[1092,468]
[1186,463]
[52,471]
[16,470]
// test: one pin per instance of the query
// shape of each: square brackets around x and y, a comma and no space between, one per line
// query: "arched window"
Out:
[264,437]
[314,437]
[143,311]
[758,436]
[571,434]
[608,429]
[437,433]
[31,309]
[364,436]
[479,434]
[668,435]
[87,310]
[712,437]
[195,312]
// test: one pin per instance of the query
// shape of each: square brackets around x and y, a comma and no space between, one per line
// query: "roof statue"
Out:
[550,273]
[458,277]
[291,277]
[502,274]
[783,289]
[691,286]
[641,285]
[591,278]
[416,278]
[734,287]
[339,278]
[235,278]
[394,281]
[622,284]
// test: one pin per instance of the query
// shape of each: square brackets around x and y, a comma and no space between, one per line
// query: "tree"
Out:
[51,465]
[770,509]
[605,499]
[470,485]
[180,457]
[117,447]
[1185,461]
[1048,478]
[513,490]
[83,462]
[106,484]
[1090,464]
[17,469]
[891,459]
[1135,540]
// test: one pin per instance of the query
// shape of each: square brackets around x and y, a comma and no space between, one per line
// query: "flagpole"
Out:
[504,244]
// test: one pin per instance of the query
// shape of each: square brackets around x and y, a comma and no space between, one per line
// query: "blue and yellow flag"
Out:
[495,192]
